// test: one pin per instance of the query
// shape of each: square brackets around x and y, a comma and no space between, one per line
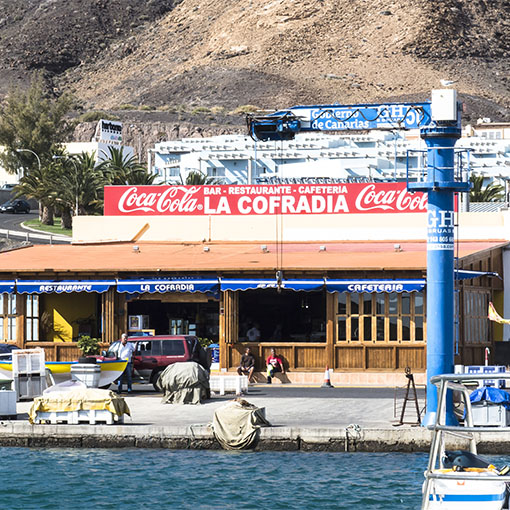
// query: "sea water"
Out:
[63,478]
[189,479]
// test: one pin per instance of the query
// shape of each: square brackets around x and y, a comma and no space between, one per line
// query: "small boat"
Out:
[61,370]
[462,479]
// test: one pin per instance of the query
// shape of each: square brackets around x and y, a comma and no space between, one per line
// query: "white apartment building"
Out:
[377,155]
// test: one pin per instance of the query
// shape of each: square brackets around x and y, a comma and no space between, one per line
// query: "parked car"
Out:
[7,349]
[153,354]
[15,206]
[8,186]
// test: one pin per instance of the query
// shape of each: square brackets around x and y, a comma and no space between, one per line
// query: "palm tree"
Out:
[124,169]
[40,184]
[80,186]
[198,178]
[491,193]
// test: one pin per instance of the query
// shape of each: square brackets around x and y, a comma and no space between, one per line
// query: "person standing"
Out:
[274,364]
[247,365]
[253,334]
[125,352]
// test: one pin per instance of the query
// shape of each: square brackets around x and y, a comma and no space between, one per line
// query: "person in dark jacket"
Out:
[247,365]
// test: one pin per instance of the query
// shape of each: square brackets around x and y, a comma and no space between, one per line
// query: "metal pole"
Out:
[35,154]
[440,262]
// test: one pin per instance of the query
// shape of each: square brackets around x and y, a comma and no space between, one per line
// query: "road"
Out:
[10,226]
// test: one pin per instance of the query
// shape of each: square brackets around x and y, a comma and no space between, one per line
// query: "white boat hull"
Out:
[468,494]
[61,370]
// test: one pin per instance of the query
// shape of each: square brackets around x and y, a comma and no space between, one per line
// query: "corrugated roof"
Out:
[169,257]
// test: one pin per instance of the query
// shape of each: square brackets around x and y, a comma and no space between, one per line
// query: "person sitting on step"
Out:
[274,364]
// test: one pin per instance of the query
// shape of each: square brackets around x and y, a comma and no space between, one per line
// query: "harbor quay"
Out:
[302,418]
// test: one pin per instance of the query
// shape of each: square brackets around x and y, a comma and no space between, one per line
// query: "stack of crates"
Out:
[7,400]
[29,373]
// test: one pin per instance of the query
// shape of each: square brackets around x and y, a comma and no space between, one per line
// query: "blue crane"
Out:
[285,124]
[439,121]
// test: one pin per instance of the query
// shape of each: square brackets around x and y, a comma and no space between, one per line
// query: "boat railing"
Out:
[467,430]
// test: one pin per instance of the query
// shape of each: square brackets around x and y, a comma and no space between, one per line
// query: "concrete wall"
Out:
[327,227]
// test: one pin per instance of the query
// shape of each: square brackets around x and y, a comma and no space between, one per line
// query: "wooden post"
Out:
[229,325]
[331,302]
[21,310]
[222,335]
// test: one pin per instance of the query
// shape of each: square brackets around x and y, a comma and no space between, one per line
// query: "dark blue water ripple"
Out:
[80,479]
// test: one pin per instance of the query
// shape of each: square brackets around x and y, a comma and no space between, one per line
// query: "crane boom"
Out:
[284,124]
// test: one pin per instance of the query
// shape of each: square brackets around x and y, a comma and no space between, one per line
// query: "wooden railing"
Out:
[314,356]
[60,351]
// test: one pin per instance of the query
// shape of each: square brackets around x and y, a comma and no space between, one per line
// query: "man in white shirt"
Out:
[253,334]
[125,352]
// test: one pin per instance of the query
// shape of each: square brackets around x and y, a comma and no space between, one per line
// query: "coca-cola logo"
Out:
[371,198]
[176,199]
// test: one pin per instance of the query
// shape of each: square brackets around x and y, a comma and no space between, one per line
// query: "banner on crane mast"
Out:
[245,200]
[363,117]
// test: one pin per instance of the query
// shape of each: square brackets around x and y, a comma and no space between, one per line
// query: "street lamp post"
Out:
[76,175]
[35,154]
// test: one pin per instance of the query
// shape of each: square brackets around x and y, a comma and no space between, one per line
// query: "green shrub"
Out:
[88,345]
[125,106]
[97,115]
[247,108]
[205,342]
[200,109]
[217,110]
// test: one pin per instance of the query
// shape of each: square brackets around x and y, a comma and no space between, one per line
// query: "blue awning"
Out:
[308,285]
[65,286]
[164,285]
[247,283]
[464,274]
[7,286]
[375,285]
[270,283]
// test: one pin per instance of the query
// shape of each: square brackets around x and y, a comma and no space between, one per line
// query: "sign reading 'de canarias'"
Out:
[263,199]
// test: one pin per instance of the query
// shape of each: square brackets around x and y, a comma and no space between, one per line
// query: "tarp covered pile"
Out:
[79,399]
[492,395]
[237,424]
[184,383]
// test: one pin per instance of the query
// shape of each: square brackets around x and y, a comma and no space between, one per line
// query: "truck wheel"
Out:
[154,379]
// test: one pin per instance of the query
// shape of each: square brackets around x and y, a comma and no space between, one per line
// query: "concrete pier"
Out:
[339,419]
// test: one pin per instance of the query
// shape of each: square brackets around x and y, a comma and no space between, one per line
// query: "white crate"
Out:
[28,386]
[74,417]
[229,383]
[28,361]
[486,414]
[8,403]
[86,373]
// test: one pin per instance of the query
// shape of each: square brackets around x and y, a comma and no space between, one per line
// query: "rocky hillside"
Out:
[194,61]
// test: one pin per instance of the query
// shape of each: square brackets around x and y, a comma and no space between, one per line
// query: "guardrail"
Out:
[26,236]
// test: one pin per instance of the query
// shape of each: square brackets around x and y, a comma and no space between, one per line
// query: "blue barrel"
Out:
[215,352]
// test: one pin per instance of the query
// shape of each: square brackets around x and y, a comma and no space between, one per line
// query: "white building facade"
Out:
[376,155]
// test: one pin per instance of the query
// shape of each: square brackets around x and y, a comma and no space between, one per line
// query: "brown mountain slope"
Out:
[276,53]
[55,35]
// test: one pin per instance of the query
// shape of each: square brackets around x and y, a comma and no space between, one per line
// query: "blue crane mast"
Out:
[439,122]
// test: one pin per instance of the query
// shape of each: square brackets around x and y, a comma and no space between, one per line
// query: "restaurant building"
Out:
[331,275]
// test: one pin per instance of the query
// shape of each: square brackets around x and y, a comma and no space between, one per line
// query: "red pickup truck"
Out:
[154,353]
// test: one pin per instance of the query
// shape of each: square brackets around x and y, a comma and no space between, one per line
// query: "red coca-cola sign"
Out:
[245,200]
